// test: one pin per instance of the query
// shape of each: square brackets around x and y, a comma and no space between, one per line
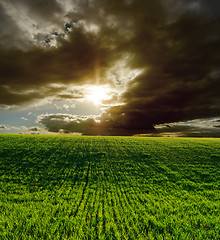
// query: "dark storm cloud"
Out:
[73,62]
[77,59]
[194,128]
[9,32]
[180,58]
[213,7]
[87,125]
[175,43]
[19,96]
[34,129]
[46,9]
[67,123]
[24,23]
[186,131]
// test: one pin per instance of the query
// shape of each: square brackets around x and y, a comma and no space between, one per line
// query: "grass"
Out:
[74,187]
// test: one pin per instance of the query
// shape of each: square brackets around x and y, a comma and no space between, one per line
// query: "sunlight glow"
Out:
[97,94]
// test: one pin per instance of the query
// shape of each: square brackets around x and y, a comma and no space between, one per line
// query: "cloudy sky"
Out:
[110,67]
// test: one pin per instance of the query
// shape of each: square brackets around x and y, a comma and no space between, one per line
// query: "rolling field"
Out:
[76,187]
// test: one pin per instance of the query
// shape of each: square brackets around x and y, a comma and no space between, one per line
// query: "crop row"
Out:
[65,187]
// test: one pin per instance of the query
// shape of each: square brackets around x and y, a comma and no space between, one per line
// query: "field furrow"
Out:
[76,187]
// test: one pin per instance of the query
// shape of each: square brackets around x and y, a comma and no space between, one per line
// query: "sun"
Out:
[97,94]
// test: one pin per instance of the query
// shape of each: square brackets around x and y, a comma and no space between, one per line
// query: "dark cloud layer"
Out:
[181,80]
[179,83]
[34,129]
[90,125]
[186,131]
[87,125]
[175,43]
[68,123]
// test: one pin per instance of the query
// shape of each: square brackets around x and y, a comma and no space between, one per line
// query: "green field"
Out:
[78,187]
